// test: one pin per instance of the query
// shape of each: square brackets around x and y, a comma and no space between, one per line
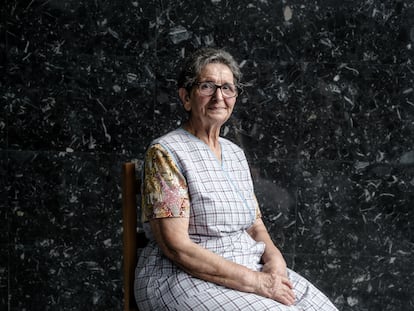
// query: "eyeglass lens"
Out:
[209,88]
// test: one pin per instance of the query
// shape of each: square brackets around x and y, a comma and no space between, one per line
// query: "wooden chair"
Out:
[132,239]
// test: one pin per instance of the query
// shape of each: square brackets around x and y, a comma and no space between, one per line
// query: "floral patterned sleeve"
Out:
[165,190]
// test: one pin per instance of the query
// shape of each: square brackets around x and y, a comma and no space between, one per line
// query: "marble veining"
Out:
[326,119]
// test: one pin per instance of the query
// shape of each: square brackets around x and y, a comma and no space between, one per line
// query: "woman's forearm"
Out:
[197,261]
[206,265]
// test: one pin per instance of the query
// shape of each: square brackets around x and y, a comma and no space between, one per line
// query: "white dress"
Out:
[222,206]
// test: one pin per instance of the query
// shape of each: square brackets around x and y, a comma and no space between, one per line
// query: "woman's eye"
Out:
[206,86]
[228,87]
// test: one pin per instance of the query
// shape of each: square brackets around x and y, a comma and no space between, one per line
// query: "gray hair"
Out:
[194,64]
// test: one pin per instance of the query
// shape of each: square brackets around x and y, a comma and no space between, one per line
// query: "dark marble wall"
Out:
[326,119]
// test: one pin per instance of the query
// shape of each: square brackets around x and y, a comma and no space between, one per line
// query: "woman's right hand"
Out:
[276,287]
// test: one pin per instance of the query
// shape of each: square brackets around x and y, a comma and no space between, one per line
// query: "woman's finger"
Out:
[287,282]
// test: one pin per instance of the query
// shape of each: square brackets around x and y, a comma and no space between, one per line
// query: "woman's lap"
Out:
[308,298]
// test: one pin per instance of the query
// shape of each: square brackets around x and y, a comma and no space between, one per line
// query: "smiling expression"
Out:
[211,110]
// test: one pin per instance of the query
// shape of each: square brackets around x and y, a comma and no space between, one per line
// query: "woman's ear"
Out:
[185,98]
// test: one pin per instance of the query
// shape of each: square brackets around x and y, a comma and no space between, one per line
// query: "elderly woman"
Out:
[209,248]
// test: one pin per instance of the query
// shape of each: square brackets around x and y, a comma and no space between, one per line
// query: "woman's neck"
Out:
[209,135]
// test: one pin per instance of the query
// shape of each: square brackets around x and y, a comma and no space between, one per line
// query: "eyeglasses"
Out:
[209,88]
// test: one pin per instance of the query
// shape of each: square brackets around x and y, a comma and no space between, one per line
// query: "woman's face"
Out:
[213,110]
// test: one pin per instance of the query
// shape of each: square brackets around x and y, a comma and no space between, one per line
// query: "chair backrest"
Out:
[132,240]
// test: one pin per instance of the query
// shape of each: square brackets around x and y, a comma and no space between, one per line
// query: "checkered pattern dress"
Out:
[183,178]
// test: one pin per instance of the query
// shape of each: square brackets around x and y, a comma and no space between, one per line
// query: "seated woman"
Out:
[209,248]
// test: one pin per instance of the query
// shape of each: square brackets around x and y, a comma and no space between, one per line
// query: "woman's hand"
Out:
[275,286]
[272,281]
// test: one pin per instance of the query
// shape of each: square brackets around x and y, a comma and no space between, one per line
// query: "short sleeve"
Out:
[164,189]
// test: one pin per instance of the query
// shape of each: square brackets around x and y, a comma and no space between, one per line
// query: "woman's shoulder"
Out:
[169,137]
[175,141]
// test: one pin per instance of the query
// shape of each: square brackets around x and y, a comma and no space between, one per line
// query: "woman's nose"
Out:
[218,94]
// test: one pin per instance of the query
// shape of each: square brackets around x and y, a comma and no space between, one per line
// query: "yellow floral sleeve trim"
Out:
[165,190]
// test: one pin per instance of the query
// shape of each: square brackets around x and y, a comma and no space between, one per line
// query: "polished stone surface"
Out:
[326,119]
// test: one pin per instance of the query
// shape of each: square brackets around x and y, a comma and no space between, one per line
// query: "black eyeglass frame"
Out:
[218,87]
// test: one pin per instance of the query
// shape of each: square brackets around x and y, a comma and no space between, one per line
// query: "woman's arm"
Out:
[272,258]
[171,235]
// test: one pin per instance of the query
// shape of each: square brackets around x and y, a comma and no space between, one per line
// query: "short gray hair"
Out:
[194,64]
